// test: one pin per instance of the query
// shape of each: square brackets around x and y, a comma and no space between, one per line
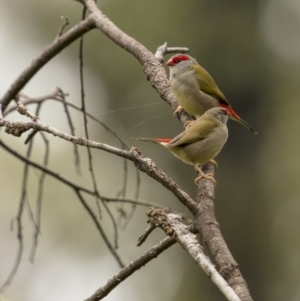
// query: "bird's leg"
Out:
[214,162]
[203,175]
[178,110]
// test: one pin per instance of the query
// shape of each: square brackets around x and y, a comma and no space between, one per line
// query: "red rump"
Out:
[234,114]
[166,140]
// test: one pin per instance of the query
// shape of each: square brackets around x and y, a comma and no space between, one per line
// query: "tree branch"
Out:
[207,225]
[131,268]
[143,164]
[157,77]
[53,49]
[172,225]
[204,210]
[153,69]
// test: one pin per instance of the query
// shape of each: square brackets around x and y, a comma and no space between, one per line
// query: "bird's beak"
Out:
[170,63]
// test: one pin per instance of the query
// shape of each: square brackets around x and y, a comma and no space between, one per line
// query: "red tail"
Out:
[234,114]
[237,117]
[166,140]
[154,140]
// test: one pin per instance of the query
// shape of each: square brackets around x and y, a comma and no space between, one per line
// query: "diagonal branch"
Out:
[207,225]
[157,77]
[100,229]
[131,268]
[53,49]
[143,164]
[153,69]
[172,225]
[45,170]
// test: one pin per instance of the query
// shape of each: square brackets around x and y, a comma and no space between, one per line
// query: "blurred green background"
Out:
[252,49]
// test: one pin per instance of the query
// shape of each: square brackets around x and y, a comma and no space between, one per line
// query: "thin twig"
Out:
[143,164]
[131,268]
[19,219]
[153,69]
[50,51]
[62,96]
[85,122]
[46,170]
[40,192]
[131,201]
[55,95]
[39,200]
[145,235]
[90,159]
[100,229]
[64,25]
[155,74]
[69,183]
[162,50]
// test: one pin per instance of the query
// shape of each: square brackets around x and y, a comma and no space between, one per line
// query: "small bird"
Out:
[195,90]
[201,142]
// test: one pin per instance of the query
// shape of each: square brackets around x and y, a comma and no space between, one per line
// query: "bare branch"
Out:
[172,225]
[131,201]
[23,200]
[23,111]
[26,100]
[58,95]
[203,211]
[39,201]
[131,268]
[100,229]
[153,69]
[64,25]
[46,170]
[42,177]
[72,185]
[90,159]
[207,225]
[145,235]
[164,49]
[62,98]
[53,49]
[16,265]
[143,164]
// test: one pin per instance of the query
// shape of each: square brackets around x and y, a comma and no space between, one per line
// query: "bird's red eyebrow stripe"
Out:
[181,57]
[176,59]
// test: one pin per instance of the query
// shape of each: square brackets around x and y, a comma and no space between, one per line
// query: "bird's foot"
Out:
[178,110]
[206,176]
[213,162]
[203,175]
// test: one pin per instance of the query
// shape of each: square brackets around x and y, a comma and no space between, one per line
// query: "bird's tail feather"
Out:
[236,117]
[245,124]
[153,140]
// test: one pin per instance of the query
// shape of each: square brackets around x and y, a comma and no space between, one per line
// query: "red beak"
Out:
[170,63]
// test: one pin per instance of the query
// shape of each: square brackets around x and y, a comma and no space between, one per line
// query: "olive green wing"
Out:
[199,130]
[207,84]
